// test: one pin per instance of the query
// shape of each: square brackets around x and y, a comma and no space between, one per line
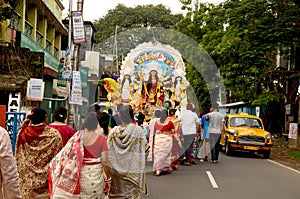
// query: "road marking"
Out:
[284,166]
[212,180]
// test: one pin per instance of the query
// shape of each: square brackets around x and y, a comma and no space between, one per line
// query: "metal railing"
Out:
[56,52]
[15,21]
[28,29]
[48,46]
[39,38]
[12,125]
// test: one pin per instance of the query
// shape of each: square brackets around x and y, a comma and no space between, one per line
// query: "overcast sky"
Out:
[95,9]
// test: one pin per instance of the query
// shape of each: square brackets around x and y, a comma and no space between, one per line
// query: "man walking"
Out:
[190,125]
[216,120]
[204,147]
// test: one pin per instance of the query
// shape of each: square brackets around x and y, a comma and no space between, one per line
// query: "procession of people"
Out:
[54,161]
[150,121]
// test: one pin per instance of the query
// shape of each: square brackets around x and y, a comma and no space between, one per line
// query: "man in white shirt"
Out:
[190,126]
[216,120]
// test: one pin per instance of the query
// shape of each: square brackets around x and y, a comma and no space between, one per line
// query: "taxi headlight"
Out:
[268,136]
[235,134]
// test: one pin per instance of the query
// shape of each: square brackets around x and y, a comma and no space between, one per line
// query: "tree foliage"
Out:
[122,19]
[243,38]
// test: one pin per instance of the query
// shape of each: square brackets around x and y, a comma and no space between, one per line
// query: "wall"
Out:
[55,7]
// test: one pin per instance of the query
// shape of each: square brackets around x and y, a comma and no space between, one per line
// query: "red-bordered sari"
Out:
[162,146]
[72,175]
[36,146]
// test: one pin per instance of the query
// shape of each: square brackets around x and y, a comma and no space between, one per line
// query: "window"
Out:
[248,122]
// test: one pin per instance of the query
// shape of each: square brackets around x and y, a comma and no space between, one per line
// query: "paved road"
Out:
[239,177]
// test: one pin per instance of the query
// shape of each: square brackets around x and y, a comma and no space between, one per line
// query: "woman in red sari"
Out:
[177,139]
[66,131]
[164,129]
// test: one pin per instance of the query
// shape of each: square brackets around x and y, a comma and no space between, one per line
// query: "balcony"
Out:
[28,29]
[15,21]
[48,46]
[39,38]
[56,52]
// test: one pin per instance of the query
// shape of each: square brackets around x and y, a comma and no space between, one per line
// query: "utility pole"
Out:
[115,52]
[74,115]
[116,45]
[68,107]
[70,24]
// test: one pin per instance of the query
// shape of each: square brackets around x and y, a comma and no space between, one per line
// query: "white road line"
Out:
[284,166]
[212,180]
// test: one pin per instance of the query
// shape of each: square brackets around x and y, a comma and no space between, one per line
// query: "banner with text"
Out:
[78,27]
[76,93]
[67,67]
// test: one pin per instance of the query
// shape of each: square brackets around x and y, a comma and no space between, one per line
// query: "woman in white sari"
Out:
[164,129]
[80,170]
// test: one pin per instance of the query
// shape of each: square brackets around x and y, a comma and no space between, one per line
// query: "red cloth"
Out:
[65,131]
[168,127]
[95,150]
[29,133]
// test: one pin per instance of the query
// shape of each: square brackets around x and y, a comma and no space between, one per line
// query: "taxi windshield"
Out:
[245,122]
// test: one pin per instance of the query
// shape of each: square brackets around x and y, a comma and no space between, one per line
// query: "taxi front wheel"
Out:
[228,149]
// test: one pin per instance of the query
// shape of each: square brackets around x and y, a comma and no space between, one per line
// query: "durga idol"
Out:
[152,91]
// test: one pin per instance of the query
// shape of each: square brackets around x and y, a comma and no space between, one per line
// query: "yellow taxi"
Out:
[246,133]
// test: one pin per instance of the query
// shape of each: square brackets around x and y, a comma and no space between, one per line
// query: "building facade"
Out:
[30,43]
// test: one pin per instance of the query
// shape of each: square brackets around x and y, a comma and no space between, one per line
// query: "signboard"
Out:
[14,102]
[59,90]
[78,27]
[76,94]
[13,105]
[35,89]
[293,130]
[92,60]
[257,110]
[60,84]
[60,80]
[67,69]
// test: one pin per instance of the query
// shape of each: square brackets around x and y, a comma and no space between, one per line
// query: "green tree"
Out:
[259,28]
[205,26]
[243,38]
[131,19]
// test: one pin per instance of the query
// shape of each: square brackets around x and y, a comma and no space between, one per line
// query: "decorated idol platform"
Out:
[152,76]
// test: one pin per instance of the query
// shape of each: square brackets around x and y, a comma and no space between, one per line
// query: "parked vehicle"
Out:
[245,132]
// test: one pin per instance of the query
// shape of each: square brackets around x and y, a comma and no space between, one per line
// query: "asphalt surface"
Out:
[234,177]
